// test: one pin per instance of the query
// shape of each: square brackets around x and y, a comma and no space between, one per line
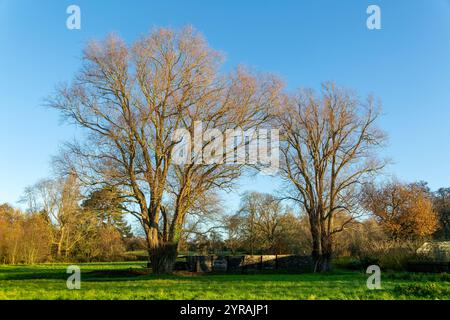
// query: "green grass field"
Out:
[130,281]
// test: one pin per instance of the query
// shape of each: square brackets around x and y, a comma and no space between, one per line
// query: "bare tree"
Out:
[233,228]
[24,237]
[132,100]
[260,219]
[327,151]
[58,201]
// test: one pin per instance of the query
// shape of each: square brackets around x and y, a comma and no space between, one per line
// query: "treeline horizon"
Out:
[264,224]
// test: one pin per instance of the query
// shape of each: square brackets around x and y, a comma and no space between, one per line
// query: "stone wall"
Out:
[248,263]
[428,266]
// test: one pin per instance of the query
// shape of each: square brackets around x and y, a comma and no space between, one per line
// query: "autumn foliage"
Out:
[404,210]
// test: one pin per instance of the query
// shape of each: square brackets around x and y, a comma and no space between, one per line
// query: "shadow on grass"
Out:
[142,274]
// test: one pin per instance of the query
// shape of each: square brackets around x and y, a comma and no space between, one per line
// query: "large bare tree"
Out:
[327,151]
[133,99]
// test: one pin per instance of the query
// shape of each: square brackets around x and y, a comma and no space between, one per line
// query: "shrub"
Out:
[421,290]
[389,255]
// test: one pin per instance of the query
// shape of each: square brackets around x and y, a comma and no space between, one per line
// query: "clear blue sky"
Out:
[406,64]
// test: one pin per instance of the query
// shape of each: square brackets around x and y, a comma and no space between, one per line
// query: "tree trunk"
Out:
[316,247]
[327,251]
[322,244]
[60,243]
[163,251]
[163,257]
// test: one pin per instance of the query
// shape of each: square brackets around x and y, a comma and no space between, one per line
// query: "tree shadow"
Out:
[142,274]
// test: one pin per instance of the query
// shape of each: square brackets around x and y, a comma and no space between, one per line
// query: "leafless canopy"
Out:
[327,152]
[131,99]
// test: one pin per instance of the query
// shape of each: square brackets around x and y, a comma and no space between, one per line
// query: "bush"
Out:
[135,244]
[388,254]
[421,290]
[24,238]
[391,254]
[418,277]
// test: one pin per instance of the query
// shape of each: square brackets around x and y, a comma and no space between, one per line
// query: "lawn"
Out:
[131,281]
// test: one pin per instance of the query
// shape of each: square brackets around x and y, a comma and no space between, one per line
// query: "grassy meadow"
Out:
[130,280]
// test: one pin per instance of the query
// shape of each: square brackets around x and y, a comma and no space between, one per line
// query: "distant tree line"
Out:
[59,225]
[395,213]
